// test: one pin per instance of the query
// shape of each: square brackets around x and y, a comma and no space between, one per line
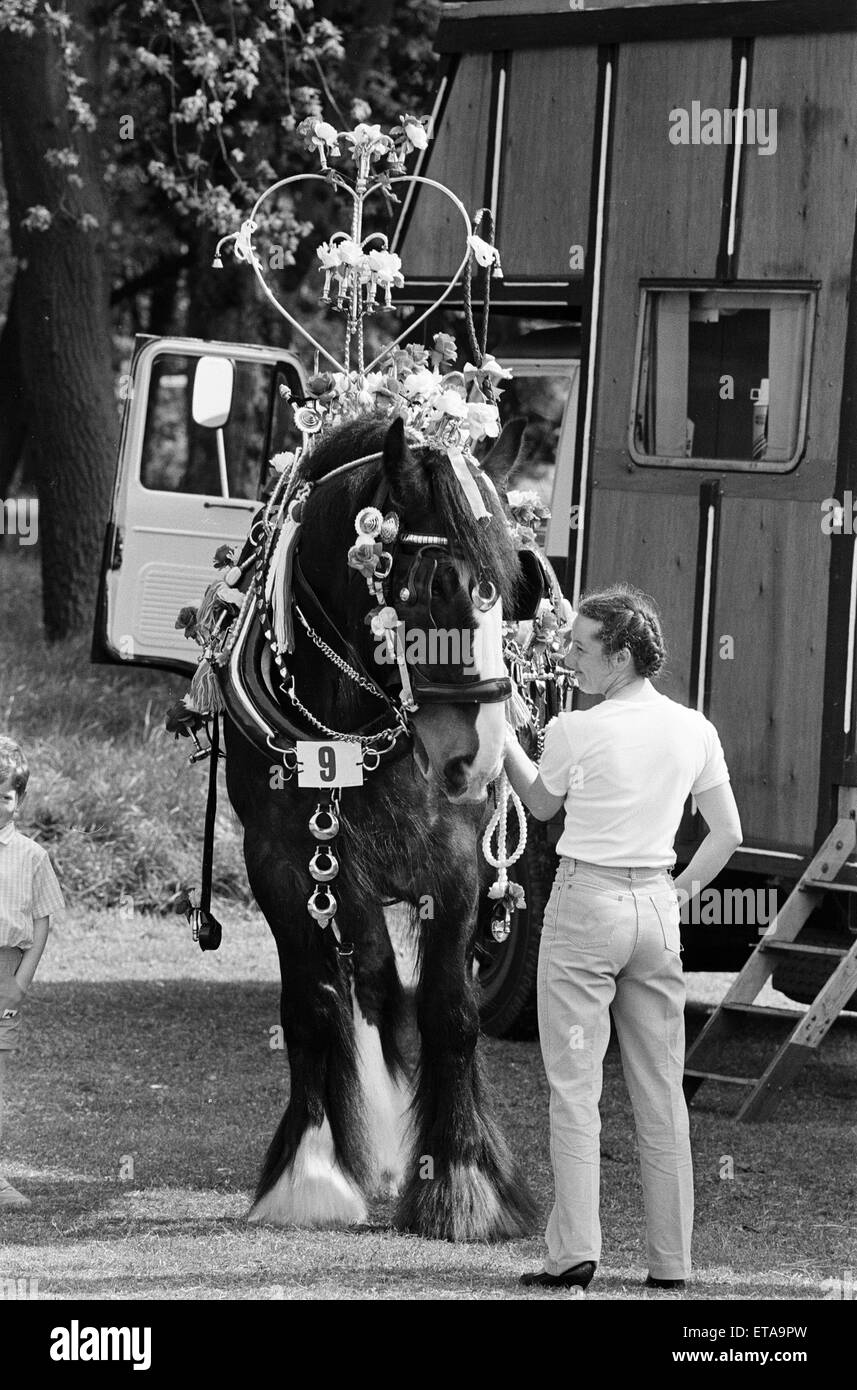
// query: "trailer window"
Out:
[722,378]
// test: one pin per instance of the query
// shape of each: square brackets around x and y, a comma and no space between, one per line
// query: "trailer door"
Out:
[182,487]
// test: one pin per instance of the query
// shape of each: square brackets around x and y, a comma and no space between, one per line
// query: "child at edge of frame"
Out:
[29,897]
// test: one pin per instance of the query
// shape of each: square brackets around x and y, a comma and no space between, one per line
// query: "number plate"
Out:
[329,764]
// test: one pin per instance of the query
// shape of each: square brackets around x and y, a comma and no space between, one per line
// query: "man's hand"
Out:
[11,994]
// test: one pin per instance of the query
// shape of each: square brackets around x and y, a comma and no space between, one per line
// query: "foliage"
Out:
[203,100]
[110,796]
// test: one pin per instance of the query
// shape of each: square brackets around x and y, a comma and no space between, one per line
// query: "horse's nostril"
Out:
[456,772]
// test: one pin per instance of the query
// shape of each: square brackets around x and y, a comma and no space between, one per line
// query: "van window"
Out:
[722,378]
[180,456]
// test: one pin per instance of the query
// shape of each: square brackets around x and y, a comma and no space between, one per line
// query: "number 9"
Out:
[327,763]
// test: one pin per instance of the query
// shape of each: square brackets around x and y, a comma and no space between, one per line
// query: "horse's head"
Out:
[450,597]
[451,575]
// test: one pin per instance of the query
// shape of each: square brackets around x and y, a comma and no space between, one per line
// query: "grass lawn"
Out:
[146,1092]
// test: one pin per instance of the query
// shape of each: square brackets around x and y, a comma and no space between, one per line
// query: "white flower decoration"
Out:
[348,252]
[490,368]
[449,403]
[416,133]
[420,384]
[485,254]
[327,134]
[522,499]
[328,255]
[387,267]
[483,420]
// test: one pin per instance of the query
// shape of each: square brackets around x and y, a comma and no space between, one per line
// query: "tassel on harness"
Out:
[205,694]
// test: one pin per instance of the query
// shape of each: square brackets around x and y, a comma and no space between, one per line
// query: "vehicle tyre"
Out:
[507,970]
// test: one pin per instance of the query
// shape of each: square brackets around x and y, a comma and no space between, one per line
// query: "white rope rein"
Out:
[503,861]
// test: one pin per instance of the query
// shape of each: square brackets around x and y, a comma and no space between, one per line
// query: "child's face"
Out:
[8,802]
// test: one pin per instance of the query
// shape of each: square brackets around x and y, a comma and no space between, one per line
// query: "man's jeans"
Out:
[611,940]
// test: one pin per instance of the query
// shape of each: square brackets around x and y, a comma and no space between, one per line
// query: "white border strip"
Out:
[849,660]
[593,333]
[498,142]
[736,158]
[706,609]
[770,853]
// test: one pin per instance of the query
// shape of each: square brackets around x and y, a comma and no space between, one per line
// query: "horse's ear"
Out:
[501,459]
[402,470]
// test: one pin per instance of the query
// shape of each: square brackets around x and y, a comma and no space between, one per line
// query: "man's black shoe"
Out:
[652,1283]
[580,1276]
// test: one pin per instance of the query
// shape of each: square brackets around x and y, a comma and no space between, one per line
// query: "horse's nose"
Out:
[456,775]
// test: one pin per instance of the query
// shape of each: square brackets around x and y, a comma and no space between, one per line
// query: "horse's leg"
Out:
[463,1183]
[380,1017]
[319,1163]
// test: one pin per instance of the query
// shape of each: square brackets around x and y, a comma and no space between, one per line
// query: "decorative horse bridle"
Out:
[417,688]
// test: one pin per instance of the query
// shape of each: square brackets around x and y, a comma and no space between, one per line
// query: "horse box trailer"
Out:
[673,189]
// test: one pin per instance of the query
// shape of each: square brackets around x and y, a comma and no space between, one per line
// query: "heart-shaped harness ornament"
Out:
[453,409]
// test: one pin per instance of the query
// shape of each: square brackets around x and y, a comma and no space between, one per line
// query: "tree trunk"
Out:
[13,406]
[64,321]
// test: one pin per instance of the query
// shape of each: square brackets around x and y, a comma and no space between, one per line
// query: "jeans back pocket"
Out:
[588,914]
[669,915]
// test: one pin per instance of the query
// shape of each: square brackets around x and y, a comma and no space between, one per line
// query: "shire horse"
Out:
[362,1118]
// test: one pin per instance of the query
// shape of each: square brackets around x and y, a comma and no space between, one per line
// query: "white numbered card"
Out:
[329,764]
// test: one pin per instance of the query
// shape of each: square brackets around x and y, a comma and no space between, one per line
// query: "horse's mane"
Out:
[485,546]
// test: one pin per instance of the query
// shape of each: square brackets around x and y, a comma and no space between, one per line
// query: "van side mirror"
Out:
[213,383]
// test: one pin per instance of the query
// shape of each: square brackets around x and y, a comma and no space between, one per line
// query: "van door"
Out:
[183,487]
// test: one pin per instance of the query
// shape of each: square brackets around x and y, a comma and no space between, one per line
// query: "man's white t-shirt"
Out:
[628,766]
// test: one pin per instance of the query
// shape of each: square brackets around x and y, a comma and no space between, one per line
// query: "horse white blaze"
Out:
[386,1105]
[313,1190]
[491,719]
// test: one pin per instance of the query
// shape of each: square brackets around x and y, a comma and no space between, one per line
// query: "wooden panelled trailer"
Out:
[709,259]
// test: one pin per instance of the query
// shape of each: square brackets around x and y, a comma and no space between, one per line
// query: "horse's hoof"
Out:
[313,1190]
[314,1205]
[465,1205]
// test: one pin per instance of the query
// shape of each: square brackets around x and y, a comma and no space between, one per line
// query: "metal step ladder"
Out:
[763,1092]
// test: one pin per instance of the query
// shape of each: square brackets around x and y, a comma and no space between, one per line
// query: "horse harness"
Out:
[262,715]
[255,677]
